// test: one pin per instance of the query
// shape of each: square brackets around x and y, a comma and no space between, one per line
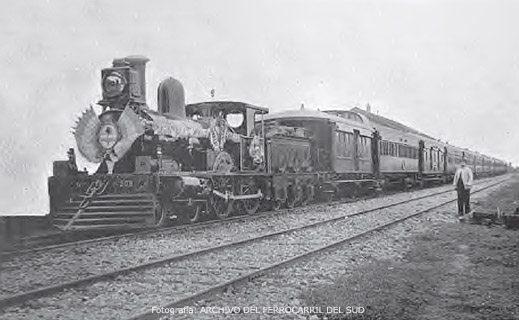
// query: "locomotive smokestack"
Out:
[139,64]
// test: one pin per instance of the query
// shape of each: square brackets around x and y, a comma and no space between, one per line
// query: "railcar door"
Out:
[445,160]
[375,153]
[421,157]
[431,159]
[356,150]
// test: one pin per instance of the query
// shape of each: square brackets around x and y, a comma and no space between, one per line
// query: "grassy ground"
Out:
[454,271]
[506,199]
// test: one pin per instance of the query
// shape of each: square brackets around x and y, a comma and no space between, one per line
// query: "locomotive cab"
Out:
[234,142]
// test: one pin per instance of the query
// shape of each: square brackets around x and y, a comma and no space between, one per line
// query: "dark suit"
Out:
[463,198]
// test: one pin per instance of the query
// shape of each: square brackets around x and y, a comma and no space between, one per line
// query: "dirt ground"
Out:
[453,271]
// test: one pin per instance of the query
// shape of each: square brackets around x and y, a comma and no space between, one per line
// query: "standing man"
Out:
[463,182]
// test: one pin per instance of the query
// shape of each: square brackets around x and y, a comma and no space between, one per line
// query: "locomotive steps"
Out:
[108,211]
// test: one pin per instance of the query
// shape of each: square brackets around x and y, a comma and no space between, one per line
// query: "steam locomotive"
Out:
[218,158]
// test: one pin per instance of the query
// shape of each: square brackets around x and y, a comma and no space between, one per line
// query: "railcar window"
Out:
[367,153]
[349,148]
[364,150]
[344,144]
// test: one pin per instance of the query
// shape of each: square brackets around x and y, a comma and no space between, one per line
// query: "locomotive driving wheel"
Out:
[250,206]
[221,208]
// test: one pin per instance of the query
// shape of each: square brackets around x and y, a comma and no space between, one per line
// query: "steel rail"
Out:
[166,230]
[241,280]
[49,290]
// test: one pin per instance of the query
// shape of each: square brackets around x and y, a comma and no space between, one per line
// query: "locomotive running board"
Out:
[110,211]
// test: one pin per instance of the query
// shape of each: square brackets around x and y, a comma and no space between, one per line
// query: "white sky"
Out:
[447,68]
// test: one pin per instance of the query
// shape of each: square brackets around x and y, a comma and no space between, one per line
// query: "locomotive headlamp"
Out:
[108,135]
[113,84]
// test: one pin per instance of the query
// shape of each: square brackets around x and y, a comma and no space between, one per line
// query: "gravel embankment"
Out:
[286,287]
[140,290]
[32,271]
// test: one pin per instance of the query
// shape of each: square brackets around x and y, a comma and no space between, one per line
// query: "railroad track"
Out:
[195,271]
[66,240]
[66,265]
[272,267]
[58,239]
[63,240]
[71,239]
